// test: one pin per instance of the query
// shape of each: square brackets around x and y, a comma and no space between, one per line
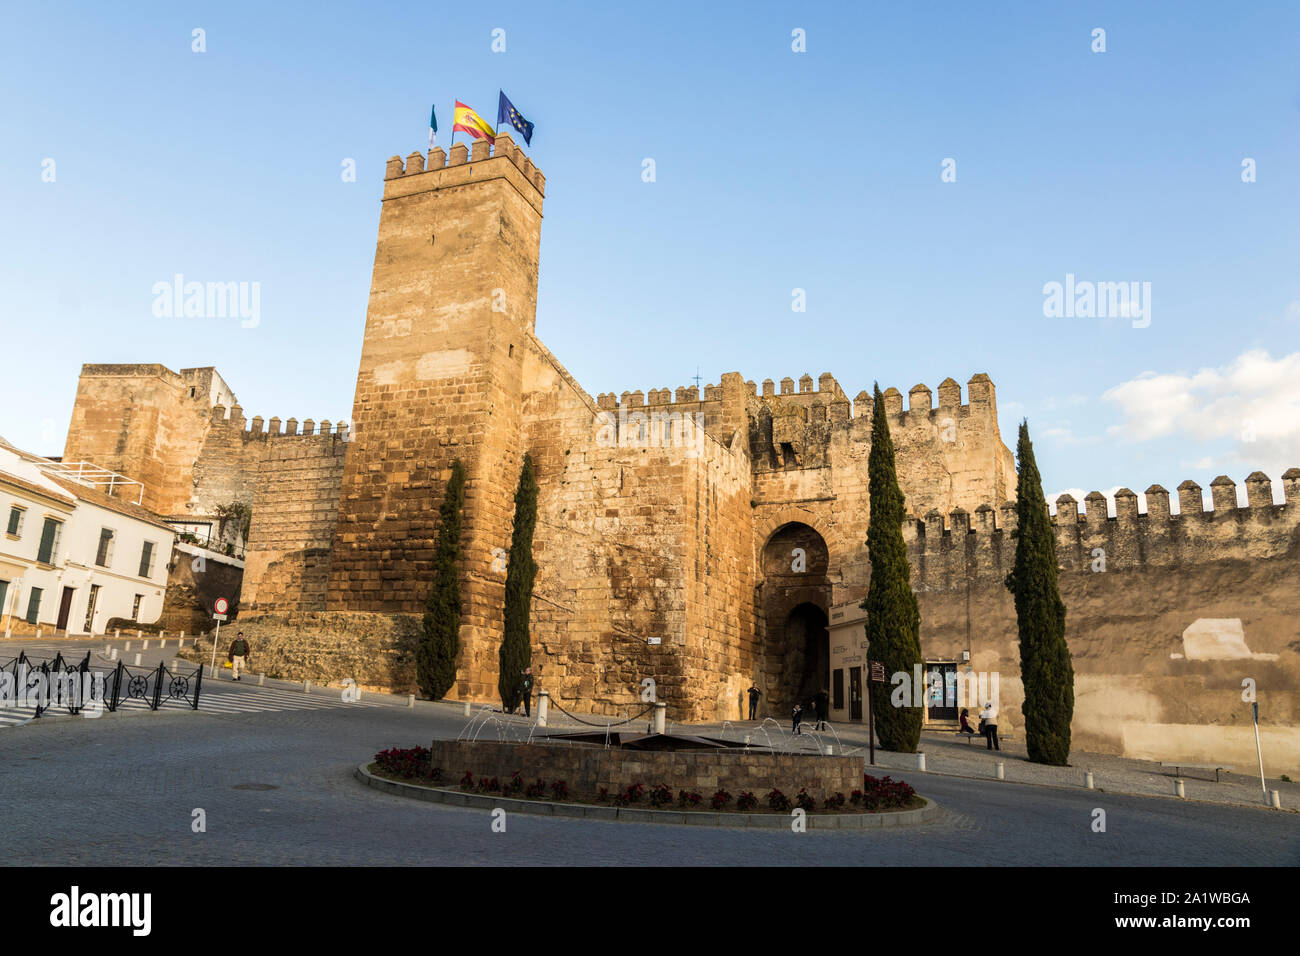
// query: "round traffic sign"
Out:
[221,605]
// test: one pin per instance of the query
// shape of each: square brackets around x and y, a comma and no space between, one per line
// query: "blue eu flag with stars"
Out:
[506,113]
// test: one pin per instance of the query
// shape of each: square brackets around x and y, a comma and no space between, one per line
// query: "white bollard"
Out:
[182,638]
[137,660]
[117,633]
[261,679]
[162,643]
[543,707]
[830,750]
[214,672]
[139,634]
[174,664]
[661,712]
[1002,770]
[113,655]
[1277,800]
[1087,780]
[920,762]
[146,644]
[410,700]
[466,708]
[127,646]
[1178,788]
[108,648]
[38,633]
[306,687]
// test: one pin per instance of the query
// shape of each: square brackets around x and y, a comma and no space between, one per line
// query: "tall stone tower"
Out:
[453,298]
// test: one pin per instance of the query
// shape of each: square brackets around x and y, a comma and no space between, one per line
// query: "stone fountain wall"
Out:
[585,769]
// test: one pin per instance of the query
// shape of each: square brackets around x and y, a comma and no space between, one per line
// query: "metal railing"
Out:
[55,683]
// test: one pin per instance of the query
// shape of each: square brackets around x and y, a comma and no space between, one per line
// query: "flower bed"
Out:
[877,795]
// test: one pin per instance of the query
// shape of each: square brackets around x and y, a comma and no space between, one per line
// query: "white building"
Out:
[72,557]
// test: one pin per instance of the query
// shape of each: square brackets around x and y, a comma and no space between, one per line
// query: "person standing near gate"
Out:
[989,718]
[238,652]
[528,691]
[754,695]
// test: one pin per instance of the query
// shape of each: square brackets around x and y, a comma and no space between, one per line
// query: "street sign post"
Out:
[219,609]
[1254,711]
[877,673]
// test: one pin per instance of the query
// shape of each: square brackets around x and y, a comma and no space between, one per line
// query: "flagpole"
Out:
[453,132]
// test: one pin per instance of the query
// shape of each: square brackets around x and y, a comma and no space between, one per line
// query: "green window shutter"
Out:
[105,553]
[33,605]
[46,552]
[146,559]
[15,518]
[4,593]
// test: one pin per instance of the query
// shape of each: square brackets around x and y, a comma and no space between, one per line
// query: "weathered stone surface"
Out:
[586,769]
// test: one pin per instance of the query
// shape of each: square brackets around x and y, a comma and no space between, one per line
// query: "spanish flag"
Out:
[467,121]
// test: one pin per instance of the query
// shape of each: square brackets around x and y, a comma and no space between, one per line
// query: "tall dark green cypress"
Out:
[435,662]
[893,619]
[1045,666]
[516,648]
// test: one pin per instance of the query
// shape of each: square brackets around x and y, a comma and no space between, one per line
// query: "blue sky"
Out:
[775,170]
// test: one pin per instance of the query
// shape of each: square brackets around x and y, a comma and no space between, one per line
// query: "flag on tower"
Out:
[433,124]
[467,121]
[506,113]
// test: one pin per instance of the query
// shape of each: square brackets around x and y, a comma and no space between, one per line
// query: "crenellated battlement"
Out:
[793,423]
[828,392]
[465,163]
[949,550]
[233,420]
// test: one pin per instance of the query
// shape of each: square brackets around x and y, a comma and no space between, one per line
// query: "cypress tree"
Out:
[893,619]
[440,642]
[516,648]
[1045,666]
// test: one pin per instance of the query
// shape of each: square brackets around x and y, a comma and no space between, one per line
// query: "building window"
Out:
[90,609]
[50,534]
[33,605]
[146,560]
[135,607]
[837,689]
[4,595]
[16,515]
[105,553]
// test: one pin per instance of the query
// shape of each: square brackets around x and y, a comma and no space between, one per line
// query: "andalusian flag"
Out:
[433,124]
[467,121]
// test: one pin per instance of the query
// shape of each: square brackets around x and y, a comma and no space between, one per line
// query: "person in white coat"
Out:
[989,719]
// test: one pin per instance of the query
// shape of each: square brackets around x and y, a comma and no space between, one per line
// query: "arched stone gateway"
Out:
[794,597]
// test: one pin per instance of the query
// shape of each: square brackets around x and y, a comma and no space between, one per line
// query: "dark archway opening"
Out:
[809,652]
[795,660]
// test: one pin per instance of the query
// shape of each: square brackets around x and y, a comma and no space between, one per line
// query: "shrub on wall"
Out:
[516,648]
[893,619]
[440,639]
[1045,666]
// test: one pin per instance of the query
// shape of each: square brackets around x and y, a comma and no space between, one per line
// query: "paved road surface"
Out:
[121,790]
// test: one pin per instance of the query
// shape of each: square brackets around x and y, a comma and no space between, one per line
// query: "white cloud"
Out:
[1252,404]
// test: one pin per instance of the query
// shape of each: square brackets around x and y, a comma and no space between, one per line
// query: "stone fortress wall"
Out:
[1166,615]
[667,519]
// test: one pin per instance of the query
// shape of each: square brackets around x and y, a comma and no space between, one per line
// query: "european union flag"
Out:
[506,113]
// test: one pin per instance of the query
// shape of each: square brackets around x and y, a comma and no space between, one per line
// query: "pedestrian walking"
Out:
[528,691]
[237,655]
[794,717]
[989,721]
[822,705]
[754,695]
